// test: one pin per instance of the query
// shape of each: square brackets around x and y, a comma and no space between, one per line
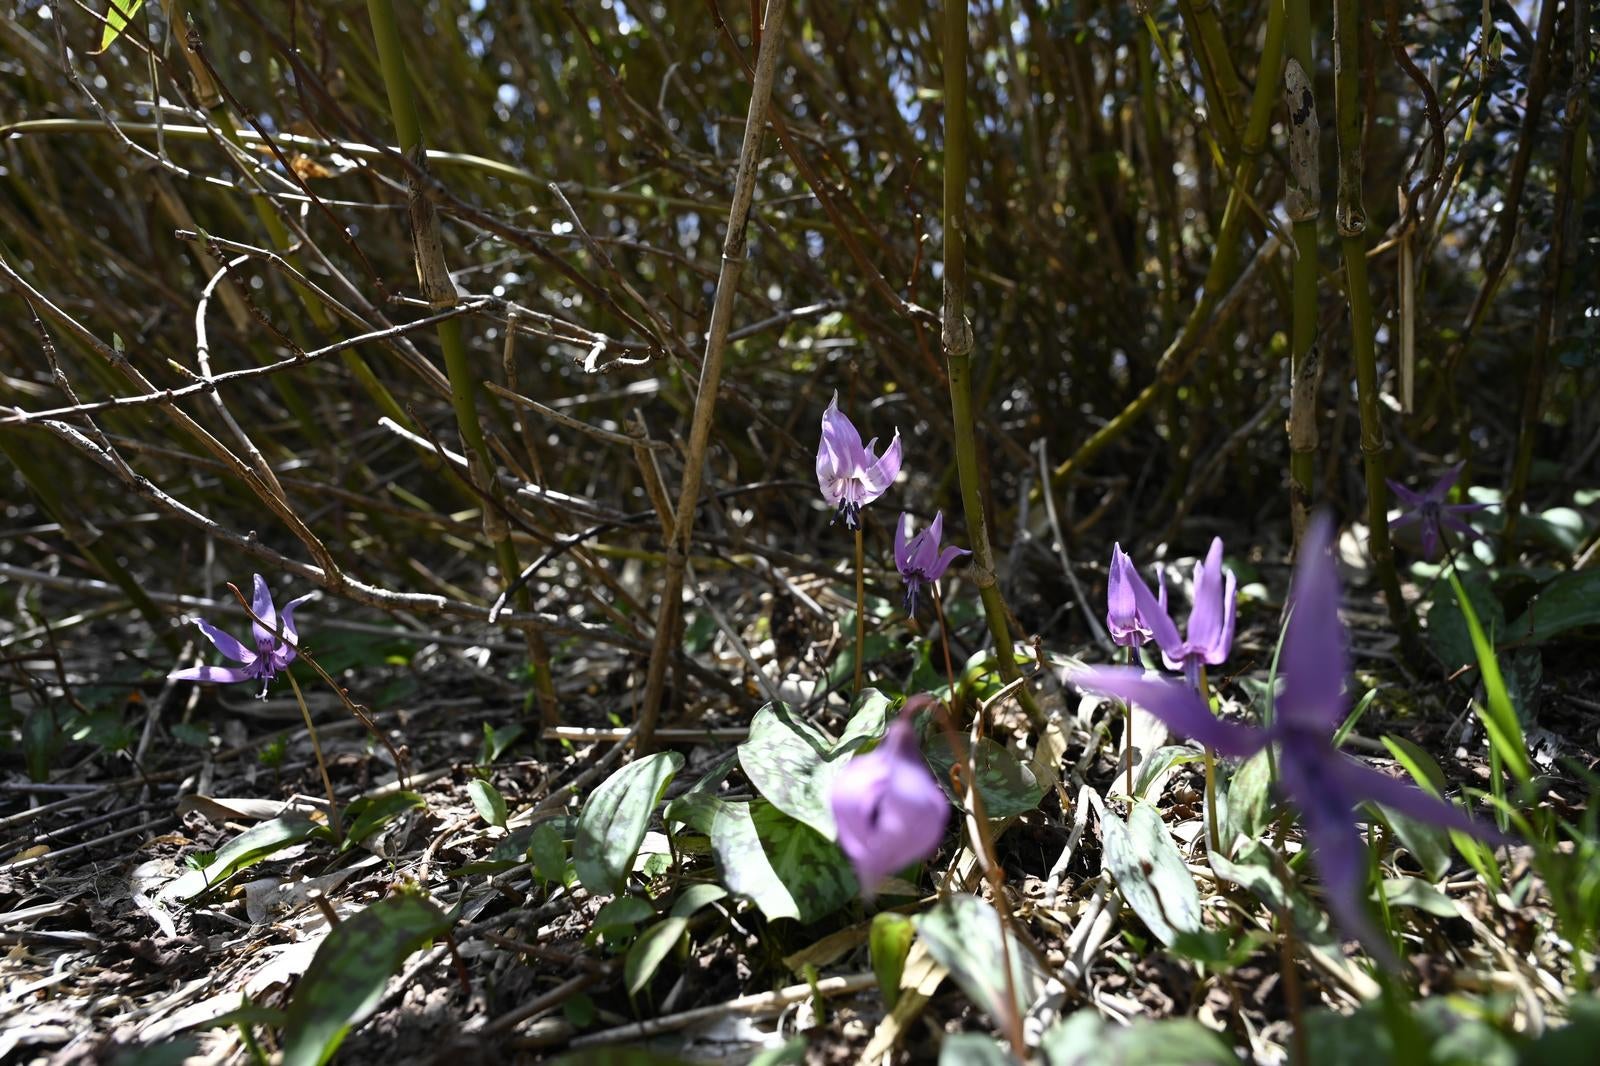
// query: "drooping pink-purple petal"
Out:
[1152,611]
[889,809]
[1439,491]
[271,653]
[1178,706]
[880,473]
[224,643]
[216,675]
[261,605]
[1314,661]
[1337,847]
[1367,784]
[920,559]
[1406,496]
[849,475]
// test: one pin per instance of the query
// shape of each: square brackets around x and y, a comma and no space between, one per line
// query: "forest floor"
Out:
[105,963]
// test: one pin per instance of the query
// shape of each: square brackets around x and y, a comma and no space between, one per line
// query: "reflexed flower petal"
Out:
[950,554]
[1407,497]
[889,810]
[261,604]
[224,643]
[1440,490]
[1179,707]
[1314,661]
[1364,783]
[1337,847]
[261,663]
[217,675]
[881,474]
[1152,611]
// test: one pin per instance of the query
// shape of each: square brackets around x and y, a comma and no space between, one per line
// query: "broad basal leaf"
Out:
[347,975]
[614,819]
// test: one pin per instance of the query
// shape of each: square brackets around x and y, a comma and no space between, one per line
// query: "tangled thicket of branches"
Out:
[258,307]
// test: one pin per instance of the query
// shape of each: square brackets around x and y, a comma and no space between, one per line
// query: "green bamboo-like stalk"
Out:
[437,288]
[1304,207]
[1175,360]
[956,338]
[1352,223]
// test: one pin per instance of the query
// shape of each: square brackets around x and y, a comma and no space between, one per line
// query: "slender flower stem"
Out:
[322,766]
[966,785]
[1213,833]
[861,603]
[944,641]
[1127,708]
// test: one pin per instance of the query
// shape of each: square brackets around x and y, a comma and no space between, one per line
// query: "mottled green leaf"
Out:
[614,819]
[1150,872]
[791,763]
[367,814]
[1410,892]
[549,853]
[618,919]
[1008,786]
[789,869]
[246,849]
[346,978]
[1447,626]
[746,870]
[869,719]
[487,801]
[962,933]
[1247,800]
[812,868]
[650,950]
[694,897]
[1570,601]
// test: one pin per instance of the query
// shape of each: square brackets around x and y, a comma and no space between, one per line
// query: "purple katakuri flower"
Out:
[1325,785]
[1128,627]
[1209,636]
[1433,514]
[852,476]
[889,809]
[271,653]
[919,559]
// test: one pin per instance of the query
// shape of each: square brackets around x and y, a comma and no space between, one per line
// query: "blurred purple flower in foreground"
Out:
[269,655]
[889,809]
[852,476]
[1128,627]
[1324,784]
[1434,515]
[919,559]
[1210,631]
